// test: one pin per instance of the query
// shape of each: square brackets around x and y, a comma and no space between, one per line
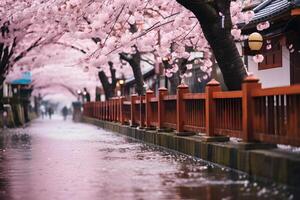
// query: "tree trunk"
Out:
[4,59]
[113,76]
[3,64]
[108,90]
[138,76]
[219,36]
[134,62]
[1,95]
[5,55]
[1,87]
[175,80]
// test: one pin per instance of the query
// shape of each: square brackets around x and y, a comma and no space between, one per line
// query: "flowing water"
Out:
[56,159]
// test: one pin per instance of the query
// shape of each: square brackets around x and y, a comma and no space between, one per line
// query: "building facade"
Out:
[281,44]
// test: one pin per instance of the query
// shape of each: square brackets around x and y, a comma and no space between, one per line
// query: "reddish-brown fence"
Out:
[252,114]
[194,114]
[228,113]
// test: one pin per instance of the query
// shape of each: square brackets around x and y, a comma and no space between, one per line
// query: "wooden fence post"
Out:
[121,101]
[93,109]
[142,107]
[103,109]
[87,109]
[161,106]
[106,110]
[133,98]
[114,110]
[97,110]
[180,105]
[210,106]
[90,110]
[148,112]
[117,109]
[100,110]
[250,83]
[111,109]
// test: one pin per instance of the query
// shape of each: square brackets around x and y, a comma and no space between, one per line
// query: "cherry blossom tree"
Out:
[104,31]
[142,28]
[216,21]
[163,23]
[22,28]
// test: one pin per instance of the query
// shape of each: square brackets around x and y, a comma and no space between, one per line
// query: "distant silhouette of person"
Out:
[43,111]
[65,112]
[50,112]
[87,96]
[3,114]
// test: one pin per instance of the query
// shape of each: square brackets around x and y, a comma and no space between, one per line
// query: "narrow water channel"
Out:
[61,160]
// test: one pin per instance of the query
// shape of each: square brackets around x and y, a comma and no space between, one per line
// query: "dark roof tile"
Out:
[271,8]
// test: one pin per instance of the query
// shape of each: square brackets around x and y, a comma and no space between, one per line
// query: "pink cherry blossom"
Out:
[82,36]
[263,25]
[258,58]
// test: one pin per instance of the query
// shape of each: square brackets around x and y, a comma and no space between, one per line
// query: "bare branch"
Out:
[70,46]
[23,53]
[147,61]
[125,57]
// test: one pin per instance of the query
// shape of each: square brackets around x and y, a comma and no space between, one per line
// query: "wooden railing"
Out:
[170,112]
[228,113]
[252,114]
[194,114]
[277,115]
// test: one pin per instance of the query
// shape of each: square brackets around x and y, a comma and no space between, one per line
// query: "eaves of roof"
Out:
[270,9]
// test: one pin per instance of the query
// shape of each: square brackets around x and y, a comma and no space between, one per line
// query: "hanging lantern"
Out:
[122,80]
[255,41]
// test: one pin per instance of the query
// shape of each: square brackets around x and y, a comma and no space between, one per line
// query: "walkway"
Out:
[54,159]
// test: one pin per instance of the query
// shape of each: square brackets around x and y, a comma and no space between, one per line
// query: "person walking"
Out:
[43,111]
[50,112]
[65,112]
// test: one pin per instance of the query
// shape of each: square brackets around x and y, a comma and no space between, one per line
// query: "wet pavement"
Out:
[56,159]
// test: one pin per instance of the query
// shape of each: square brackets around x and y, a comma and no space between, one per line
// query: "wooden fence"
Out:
[252,114]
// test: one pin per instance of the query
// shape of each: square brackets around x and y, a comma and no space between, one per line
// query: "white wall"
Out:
[273,77]
[7,91]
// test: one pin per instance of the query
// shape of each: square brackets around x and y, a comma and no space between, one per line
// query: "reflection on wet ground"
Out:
[53,159]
